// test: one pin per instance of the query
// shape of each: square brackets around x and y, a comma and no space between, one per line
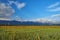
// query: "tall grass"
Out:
[30,34]
[7,35]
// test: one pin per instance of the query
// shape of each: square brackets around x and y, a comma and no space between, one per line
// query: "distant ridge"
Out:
[13,22]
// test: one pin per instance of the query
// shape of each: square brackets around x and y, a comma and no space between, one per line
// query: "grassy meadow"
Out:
[29,32]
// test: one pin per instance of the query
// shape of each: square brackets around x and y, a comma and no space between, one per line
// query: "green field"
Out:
[29,32]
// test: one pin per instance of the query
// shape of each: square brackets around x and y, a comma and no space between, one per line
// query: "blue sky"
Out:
[29,9]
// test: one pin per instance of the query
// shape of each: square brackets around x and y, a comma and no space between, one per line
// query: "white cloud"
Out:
[54,5]
[7,19]
[55,10]
[18,4]
[54,19]
[17,18]
[11,2]
[5,10]
[56,15]
[43,20]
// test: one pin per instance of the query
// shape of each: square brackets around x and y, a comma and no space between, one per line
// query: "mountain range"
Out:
[13,22]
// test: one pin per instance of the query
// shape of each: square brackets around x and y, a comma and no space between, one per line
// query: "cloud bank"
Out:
[54,19]
[5,10]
